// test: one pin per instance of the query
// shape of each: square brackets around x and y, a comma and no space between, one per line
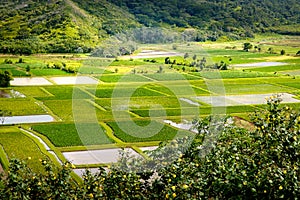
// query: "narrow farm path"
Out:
[47,110]
[43,146]
[96,105]
[110,133]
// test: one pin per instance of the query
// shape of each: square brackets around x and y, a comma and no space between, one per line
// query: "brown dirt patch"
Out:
[242,123]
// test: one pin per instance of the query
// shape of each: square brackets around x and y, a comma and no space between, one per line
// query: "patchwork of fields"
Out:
[123,103]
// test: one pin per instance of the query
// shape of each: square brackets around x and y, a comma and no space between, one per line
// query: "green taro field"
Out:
[136,93]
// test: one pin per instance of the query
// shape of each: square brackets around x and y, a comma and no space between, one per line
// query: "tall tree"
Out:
[5,78]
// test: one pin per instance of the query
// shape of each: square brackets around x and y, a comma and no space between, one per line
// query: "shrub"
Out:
[21,60]
[247,46]
[8,61]
[22,183]
[5,78]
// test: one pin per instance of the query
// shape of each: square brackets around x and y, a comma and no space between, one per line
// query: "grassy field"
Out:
[21,106]
[64,135]
[277,69]
[18,145]
[34,91]
[190,112]
[39,65]
[47,72]
[65,92]
[166,132]
[113,78]
[119,92]
[171,76]
[232,74]
[66,109]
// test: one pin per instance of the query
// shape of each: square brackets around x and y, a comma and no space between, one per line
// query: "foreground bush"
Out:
[233,164]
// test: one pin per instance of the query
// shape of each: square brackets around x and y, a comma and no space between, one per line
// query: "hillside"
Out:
[217,15]
[58,26]
[78,26]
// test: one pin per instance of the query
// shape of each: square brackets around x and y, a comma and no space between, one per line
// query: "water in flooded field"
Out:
[27,119]
[11,94]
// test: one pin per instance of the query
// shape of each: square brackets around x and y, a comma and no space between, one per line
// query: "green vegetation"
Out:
[17,145]
[64,112]
[66,92]
[190,112]
[28,27]
[252,88]
[262,163]
[276,69]
[64,108]
[123,78]
[47,72]
[171,76]
[238,18]
[247,46]
[33,91]
[5,78]
[165,134]
[117,43]
[40,65]
[64,135]
[134,96]
[118,92]
[233,74]
[21,106]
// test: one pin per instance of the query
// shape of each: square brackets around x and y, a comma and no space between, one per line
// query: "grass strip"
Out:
[4,159]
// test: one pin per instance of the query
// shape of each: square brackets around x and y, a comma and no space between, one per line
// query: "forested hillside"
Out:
[78,26]
[216,15]
[58,25]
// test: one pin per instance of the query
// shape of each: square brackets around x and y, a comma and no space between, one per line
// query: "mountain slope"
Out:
[28,26]
[58,26]
[225,15]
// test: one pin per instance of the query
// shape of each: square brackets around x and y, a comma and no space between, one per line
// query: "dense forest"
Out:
[78,26]
[225,15]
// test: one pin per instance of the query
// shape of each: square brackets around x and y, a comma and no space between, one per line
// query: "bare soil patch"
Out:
[249,99]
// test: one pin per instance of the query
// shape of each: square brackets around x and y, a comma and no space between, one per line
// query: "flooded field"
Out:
[27,119]
[260,64]
[11,94]
[74,80]
[184,126]
[96,156]
[68,80]
[30,81]
[249,99]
